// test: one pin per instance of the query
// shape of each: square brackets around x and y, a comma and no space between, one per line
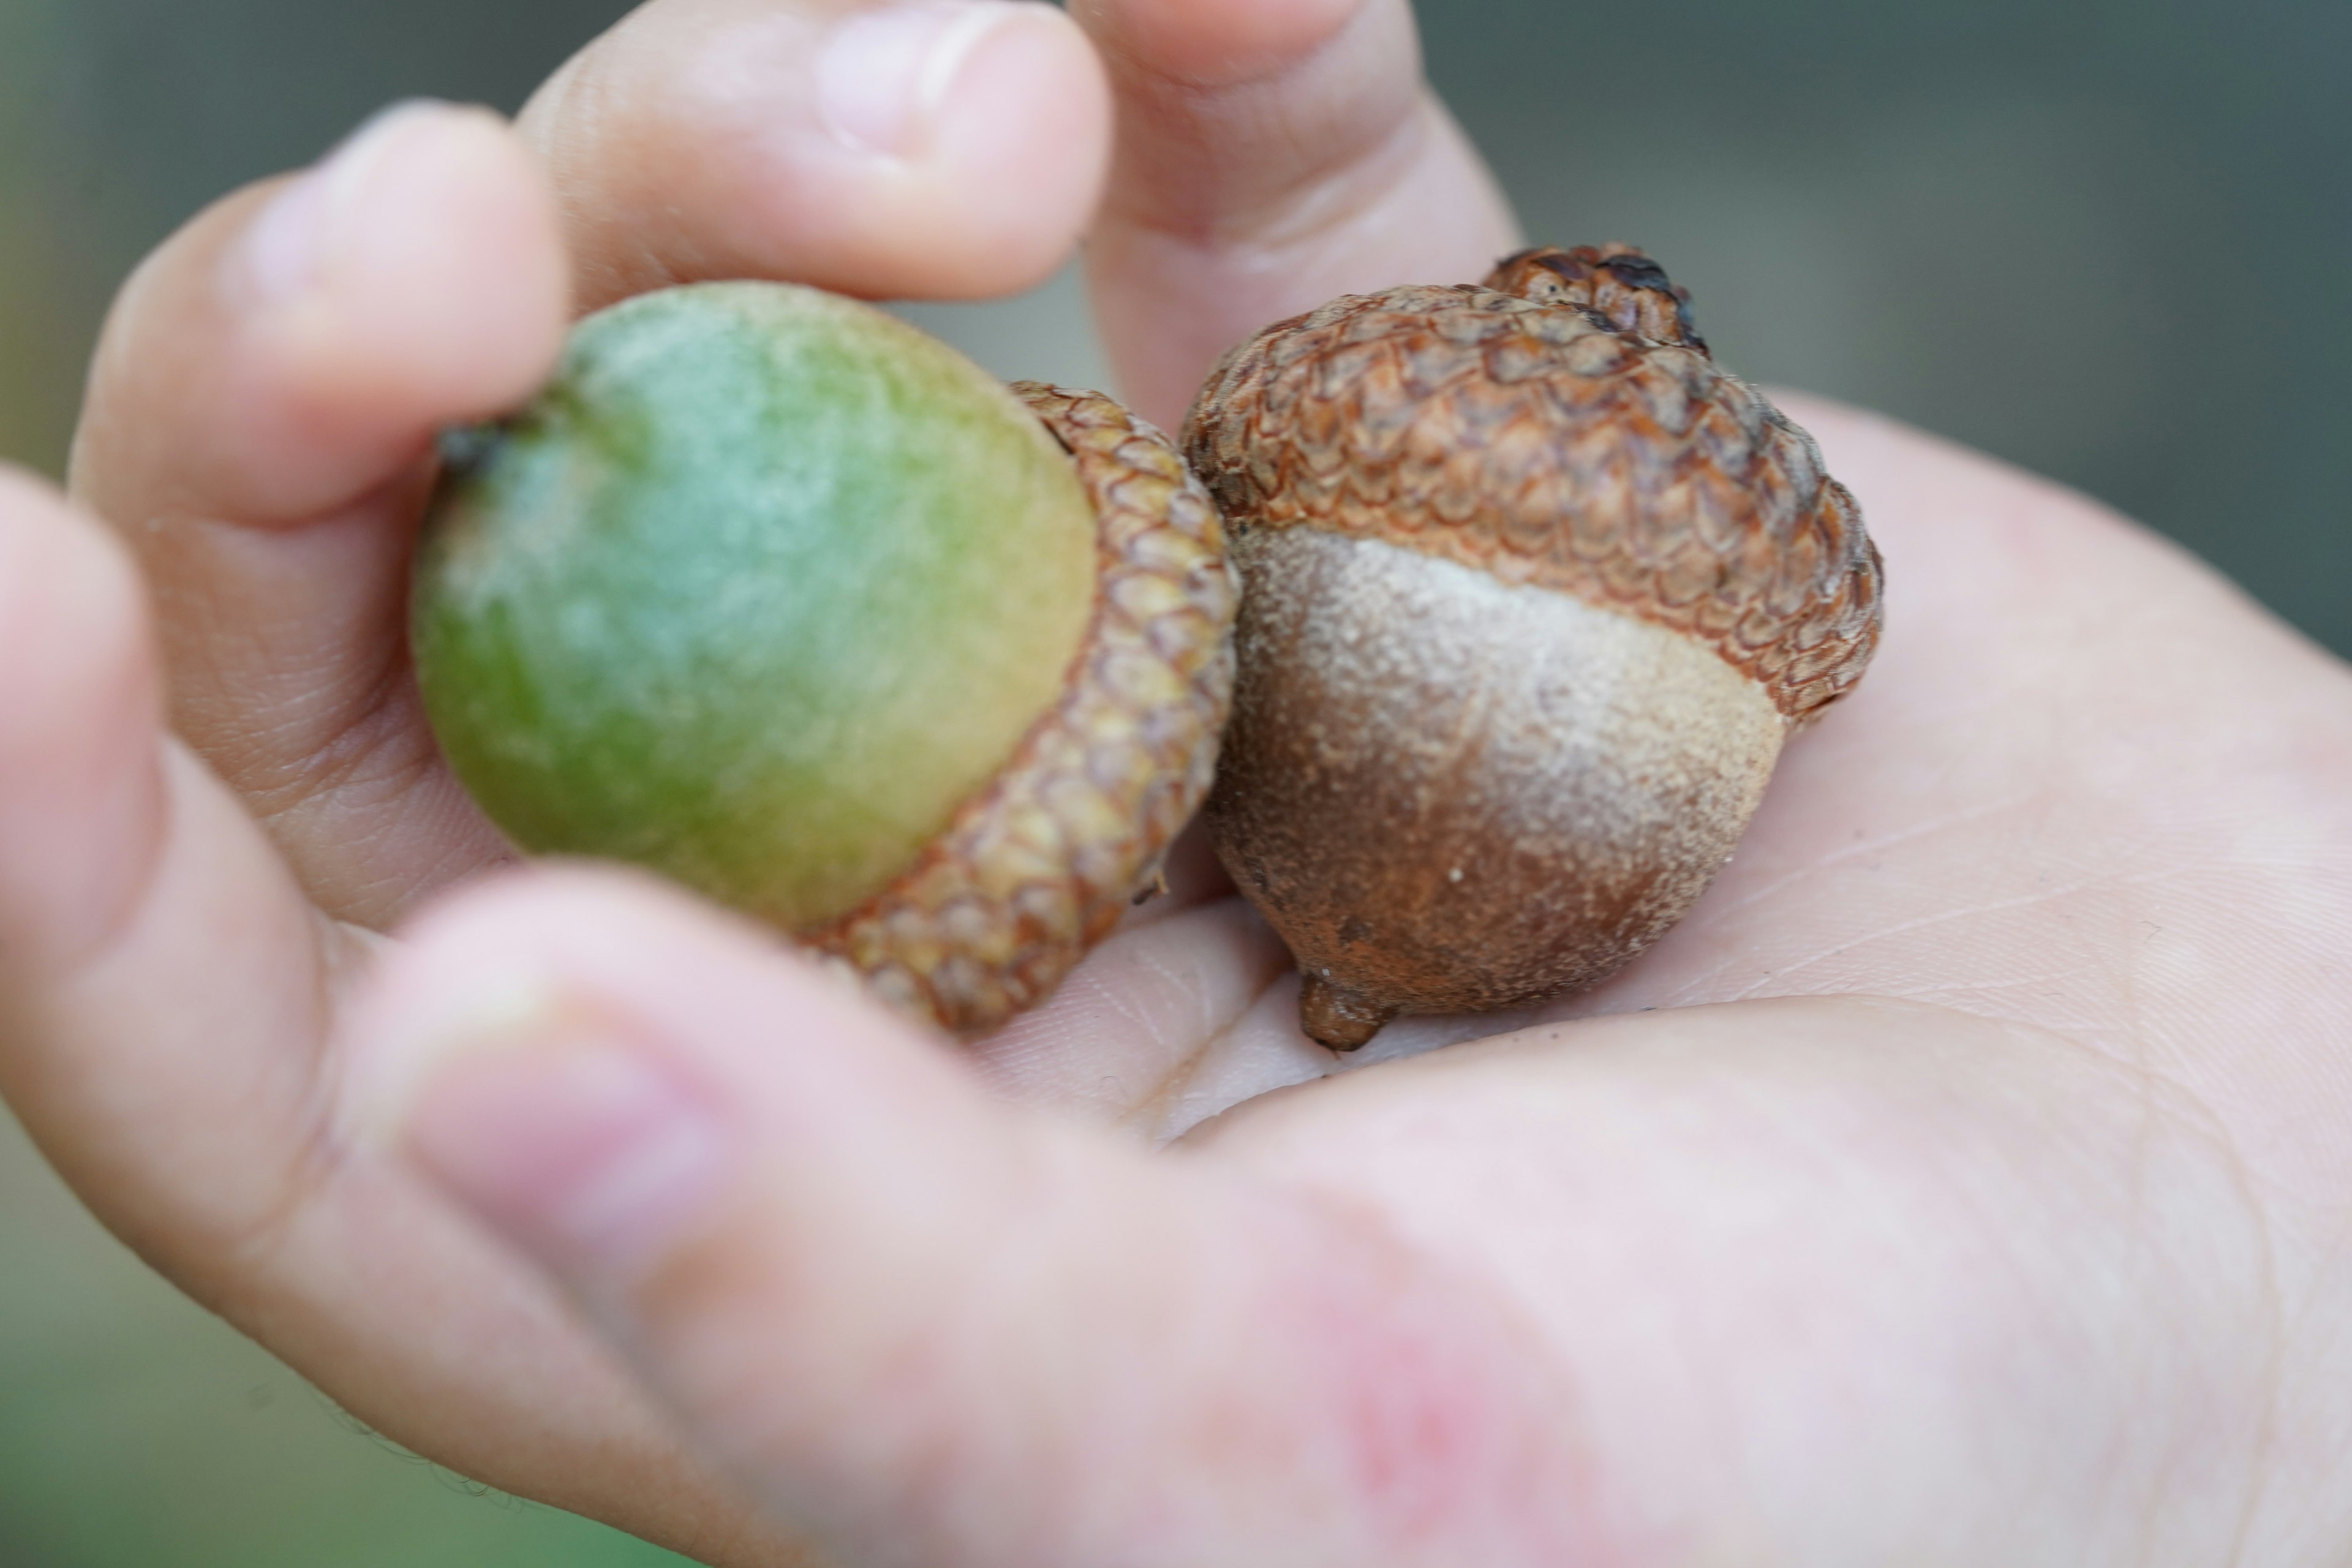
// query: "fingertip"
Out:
[994,172]
[1019,159]
[603,924]
[1215,43]
[80,736]
[1272,154]
[73,610]
[23,491]
[297,345]
[419,271]
[522,950]
[501,271]
[66,585]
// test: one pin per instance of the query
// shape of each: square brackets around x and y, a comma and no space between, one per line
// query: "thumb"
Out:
[925,1326]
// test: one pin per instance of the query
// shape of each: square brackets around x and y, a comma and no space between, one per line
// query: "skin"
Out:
[1965,1181]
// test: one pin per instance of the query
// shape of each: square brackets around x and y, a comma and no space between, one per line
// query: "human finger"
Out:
[942,149]
[258,428]
[165,994]
[1271,154]
[152,951]
[930,1327]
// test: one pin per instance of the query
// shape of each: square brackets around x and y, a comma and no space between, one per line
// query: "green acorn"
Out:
[775,595]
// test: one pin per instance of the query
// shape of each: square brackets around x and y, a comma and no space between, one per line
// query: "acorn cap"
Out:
[1447,793]
[1040,866]
[1531,438]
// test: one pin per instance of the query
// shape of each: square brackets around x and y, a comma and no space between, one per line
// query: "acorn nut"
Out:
[775,595]
[1532,594]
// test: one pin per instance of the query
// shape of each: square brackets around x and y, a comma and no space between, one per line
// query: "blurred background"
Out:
[2106,239]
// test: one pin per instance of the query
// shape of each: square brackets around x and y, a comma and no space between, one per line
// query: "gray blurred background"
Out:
[2102,238]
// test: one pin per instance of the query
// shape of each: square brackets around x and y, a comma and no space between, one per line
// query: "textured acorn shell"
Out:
[1532,591]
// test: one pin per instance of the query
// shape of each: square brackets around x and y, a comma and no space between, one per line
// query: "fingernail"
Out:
[553,1124]
[294,239]
[885,72]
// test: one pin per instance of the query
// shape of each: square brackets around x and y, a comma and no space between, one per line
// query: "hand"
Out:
[2004,1235]
[183,916]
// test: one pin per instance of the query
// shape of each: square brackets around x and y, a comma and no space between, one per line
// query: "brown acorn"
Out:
[1533,591]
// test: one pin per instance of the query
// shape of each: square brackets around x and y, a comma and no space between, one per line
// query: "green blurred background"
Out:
[2102,238]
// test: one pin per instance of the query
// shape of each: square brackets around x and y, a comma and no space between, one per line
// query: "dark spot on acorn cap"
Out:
[1639,272]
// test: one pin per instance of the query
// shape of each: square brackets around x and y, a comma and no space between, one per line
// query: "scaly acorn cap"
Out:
[1617,282]
[1041,866]
[1446,795]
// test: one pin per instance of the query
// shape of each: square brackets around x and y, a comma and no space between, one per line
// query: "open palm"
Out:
[1961,1182]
